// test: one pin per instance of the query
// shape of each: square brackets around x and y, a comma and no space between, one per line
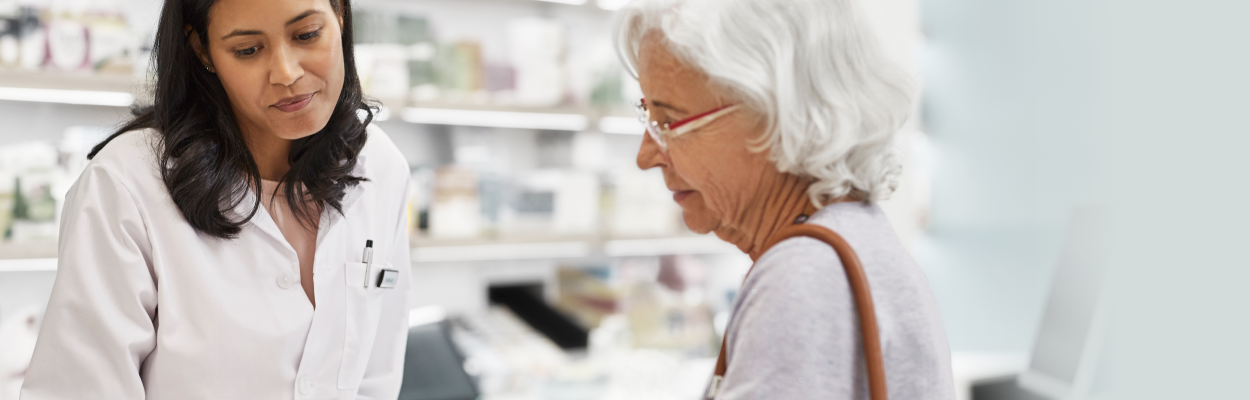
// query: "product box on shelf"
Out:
[88,38]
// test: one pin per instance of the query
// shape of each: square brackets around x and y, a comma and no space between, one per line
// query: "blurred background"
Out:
[547,266]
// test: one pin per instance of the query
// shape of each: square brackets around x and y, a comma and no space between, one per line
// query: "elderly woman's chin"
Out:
[697,216]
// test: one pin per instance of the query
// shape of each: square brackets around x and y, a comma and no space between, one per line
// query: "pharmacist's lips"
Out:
[294,103]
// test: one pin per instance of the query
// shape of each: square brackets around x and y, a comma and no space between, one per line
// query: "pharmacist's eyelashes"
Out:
[309,36]
[248,52]
[304,37]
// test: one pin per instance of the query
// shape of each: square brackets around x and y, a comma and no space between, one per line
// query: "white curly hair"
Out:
[832,100]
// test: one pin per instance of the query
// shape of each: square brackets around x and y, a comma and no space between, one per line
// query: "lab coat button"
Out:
[286,280]
[305,385]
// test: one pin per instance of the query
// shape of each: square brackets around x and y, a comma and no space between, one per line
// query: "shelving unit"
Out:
[28,265]
[120,91]
[74,81]
[430,251]
[557,119]
[13,256]
[27,250]
[68,88]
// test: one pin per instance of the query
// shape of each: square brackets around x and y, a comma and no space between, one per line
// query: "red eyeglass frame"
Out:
[658,131]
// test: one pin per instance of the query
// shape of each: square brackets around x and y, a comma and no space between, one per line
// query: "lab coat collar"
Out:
[328,217]
[261,219]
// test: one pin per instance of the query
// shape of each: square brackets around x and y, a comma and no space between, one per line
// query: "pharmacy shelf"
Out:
[438,251]
[29,256]
[501,252]
[28,265]
[68,88]
[560,118]
[28,250]
[603,6]
[72,81]
[120,90]
[41,255]
[690,245]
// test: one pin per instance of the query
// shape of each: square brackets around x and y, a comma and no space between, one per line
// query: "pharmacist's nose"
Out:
[284,68]
[650,155]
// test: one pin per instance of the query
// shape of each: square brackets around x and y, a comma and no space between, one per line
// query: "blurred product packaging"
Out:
[586,294]
[34,178]
[112,46]
[420,195]
[641,205]
[8,201]
[79,37]
[669,310]
[399,58]
[536,50]
[639,304]
[22,43]
[68,45]
[455,211]
[459,71]
[551,202]
[36,187]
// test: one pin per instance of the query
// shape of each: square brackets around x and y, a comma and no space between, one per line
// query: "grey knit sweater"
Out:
[794,333]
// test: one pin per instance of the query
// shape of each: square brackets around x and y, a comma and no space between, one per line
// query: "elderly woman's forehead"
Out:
[653,53]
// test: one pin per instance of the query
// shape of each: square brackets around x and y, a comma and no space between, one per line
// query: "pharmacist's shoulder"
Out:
[130,158]
[385,163]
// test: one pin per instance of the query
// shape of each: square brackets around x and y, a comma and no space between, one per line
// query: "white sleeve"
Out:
[100,324]
[384,374]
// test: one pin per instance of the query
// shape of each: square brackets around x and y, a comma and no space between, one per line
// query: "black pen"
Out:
[368,260]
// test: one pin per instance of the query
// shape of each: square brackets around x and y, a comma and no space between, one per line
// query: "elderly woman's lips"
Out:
[680,195]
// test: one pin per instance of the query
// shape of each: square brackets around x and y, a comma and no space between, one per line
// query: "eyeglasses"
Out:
[660,131]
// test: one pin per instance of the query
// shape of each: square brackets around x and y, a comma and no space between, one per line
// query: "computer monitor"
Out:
[433,367]
[1063,355]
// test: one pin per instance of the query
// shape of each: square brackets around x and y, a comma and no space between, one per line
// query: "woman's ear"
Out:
[193,38]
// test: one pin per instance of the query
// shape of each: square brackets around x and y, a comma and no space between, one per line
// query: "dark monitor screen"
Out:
[433,367]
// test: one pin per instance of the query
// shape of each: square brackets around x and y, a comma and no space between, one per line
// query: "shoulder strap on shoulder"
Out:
[863,302]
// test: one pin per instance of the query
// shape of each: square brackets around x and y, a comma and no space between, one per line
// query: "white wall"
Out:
[1038,106]
[1011,114]
[1173,95]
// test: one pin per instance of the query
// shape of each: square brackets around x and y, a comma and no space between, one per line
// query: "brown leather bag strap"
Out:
[863,302]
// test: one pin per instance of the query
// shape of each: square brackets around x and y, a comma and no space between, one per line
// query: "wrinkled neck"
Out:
[781,202]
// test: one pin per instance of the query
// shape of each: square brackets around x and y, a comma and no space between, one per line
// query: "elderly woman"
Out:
[764,114]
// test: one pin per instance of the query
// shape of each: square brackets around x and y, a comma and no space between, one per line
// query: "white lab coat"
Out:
[145,307]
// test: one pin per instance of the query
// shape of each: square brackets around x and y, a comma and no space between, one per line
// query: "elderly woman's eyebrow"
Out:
[666,105]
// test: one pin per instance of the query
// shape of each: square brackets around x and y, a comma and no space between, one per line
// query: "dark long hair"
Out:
[204,160]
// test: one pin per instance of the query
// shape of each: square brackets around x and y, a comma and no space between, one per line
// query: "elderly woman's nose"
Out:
[649,154]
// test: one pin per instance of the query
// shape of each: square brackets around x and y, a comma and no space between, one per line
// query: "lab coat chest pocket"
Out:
[363,307]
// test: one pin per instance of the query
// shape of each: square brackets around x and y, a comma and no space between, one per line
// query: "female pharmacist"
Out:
[215,247]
